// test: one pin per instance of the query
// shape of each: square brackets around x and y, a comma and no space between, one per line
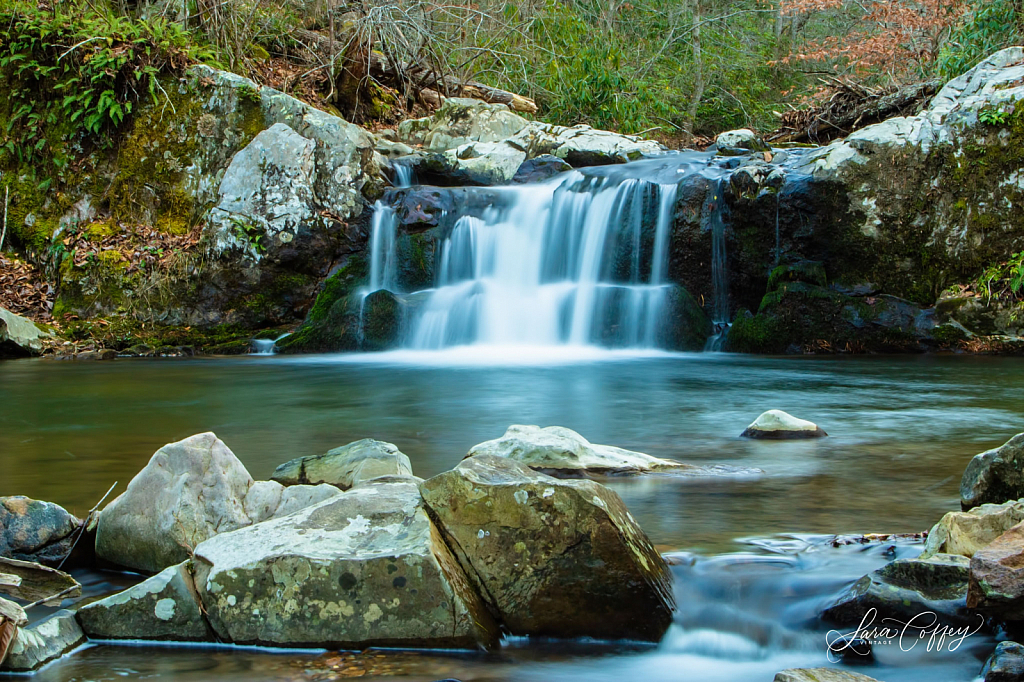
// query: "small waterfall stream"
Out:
[578,260]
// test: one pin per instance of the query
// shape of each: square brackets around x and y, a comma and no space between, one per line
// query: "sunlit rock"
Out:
[779,425]
[965,533]
[742,139]
[346,466]
[19,336]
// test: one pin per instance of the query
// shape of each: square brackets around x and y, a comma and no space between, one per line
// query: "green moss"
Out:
[333,322]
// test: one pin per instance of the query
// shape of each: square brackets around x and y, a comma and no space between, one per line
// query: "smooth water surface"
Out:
[901,431]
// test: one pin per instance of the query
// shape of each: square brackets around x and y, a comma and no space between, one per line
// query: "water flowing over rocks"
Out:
[1006,664]
[994,476]
[19,337]
[31,530]
[997,577]
[779,425]
[38,644]
[965,533]
[346,466]
[365,569]
[522,538]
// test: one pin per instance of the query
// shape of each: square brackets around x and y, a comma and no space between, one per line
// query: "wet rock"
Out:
[19,336]
[997,577]
[39,644]
[486,163]
[539,169]
[1006,664]
[383,315]
[779,425]
[367,568]
[93,355]
[552,558]
[906,588]
[741,139]
[994,476]
[31,530]
[558,450]
[965,533]
[821,675]
[164,607]
[345,466]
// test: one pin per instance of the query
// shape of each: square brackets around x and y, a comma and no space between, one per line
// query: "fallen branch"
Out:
[38,582]
[85,524]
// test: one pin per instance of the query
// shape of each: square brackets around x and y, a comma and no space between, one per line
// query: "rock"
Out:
[997,576]
[556,449]
[31,530]
[779,425]
[37,582]
[345,466]
[93,355]
[189,491]
[19,336]
[164,607]
[41,643]
[994,476]
[367,568]
[383,315]
[905,588]
[461,120]
[552,558]
[485,163]
[540,168]
[821,675]
[965,533]
[741,139]
[1006,664]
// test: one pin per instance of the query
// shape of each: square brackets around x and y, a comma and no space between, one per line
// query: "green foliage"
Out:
[247,233]
[1003,279]
[990,26]
[994,117]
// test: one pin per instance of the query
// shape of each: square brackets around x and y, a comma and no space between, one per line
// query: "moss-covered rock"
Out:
[333,322]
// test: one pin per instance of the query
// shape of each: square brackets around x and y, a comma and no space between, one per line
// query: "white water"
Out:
[576,261]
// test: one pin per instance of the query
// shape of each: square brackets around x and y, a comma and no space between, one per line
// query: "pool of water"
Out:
[901,431]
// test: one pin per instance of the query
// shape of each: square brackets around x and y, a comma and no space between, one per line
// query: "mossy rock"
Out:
[333,322]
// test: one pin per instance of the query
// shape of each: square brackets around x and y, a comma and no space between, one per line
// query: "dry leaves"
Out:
[140,246]
[24,291]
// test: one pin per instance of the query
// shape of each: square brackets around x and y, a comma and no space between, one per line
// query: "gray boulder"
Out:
[1006,664]
[41,643]
[367,568]
[552,558]
[779,425]
[540,168]
[164,607]
[19,337]
[562,451]
[742,139]
[345,466]
[997,577]
[994,476]
[965,533]
[906,588]
[486,163]
[31,530]
[821,675]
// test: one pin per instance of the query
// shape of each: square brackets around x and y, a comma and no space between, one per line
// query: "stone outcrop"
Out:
[551,558]
[345,466]
[19,337]
[779,425]
[965,533]
[557,450]
[37,645]
[997,577]
[995,476]
[366,568]
[31,530]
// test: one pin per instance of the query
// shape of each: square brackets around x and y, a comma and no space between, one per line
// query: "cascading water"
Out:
[719,274]
[581,259]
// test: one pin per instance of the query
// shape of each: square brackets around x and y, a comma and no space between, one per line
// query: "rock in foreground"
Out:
[19,337]
[779,425]
[367,568]
[345,466]
[821,675]
[1006,664]
[994,476]
[35,646]
[997,576]
[552,558]
[965,533]
[31,530]
[560,451]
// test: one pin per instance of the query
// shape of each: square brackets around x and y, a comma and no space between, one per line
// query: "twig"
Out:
[85,524]
[49,599]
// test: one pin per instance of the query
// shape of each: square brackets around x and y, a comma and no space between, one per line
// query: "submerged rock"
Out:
[31,530]
[965,533]
[997,576]
[906,588]
[779,425]
[19,336]
[346,466]
[39,644]
[164,607]
[552,558]
[1006,664]
[821,675]
[365,569]
[994,476]
[556,449]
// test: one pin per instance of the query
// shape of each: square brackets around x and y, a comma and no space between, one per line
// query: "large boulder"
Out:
[1006,664]
[345,466]
[31,530]
[965,533]
[562,451]
[189,491]
[367,568]
[779,425]
[164,607]
[44,641]
[552,558]
[19,337]
[994,476]
[906,588]
[997,577]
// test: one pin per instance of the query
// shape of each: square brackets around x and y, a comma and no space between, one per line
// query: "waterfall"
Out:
[581,259]
[719,273]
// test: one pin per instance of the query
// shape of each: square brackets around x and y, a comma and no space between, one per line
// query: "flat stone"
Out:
[995,476]
[164,607]
[345,466]
[965,533]
[41,643]
[779,425]
[552,558]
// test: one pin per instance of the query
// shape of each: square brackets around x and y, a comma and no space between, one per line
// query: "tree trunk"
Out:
[697,95]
